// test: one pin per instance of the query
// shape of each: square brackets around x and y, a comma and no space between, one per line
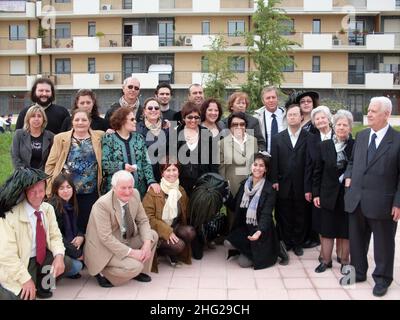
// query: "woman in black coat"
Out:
[328,190]
[253,233]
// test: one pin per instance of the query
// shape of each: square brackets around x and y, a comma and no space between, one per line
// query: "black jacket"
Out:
[116,106]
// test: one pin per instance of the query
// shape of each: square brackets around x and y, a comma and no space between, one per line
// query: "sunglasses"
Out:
[238,124]
[306,101]
[150,108]
[133,87]
[193,117]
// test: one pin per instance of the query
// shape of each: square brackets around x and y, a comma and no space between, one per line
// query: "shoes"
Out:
[142,277]
[310,244]
[75,276]
[172,260]
[103,281]
[44,294]
[323,266]
[283,254]
[345,281]
[320,259]
[379,290]
[211,245]
[298,251]
[244,262]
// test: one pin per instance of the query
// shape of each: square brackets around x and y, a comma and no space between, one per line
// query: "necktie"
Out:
[130,230]
[274,125]
[371,149]
[40,239]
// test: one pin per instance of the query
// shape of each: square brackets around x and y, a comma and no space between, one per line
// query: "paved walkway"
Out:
[214,278]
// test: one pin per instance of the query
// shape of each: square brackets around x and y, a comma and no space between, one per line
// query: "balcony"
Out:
[317,41]
[380,80]
[317,80]
[380,41]
[25,11]
[24,47]
[320,5]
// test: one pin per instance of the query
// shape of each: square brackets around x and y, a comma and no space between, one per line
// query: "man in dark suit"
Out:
[288,158]
[373,196]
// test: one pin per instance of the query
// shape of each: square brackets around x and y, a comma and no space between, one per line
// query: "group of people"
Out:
[118,189]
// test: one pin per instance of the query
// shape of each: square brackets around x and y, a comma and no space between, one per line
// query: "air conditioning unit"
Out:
[188,41]
[106,7]
[109,76]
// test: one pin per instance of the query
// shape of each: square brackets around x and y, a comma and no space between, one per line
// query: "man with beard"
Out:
[43,93]
[163,94]
[130,99]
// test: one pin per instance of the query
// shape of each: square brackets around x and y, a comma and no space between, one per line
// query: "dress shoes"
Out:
[103,281]
[142,277]
[323,266]
[310,244]
[298,251]
[283,254]
[44,294]
[379,290]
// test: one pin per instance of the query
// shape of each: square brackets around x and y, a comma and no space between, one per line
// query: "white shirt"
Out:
[32,219]
[379,135]
[242,144]
[268,121]
[294,137]
[327,136]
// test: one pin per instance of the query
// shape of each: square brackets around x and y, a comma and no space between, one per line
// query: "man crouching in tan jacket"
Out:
[119,241]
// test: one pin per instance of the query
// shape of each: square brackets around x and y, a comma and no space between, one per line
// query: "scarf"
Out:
[154,128]
[70,222]
[340,146]
[255,193]
[134,107]
[170,210]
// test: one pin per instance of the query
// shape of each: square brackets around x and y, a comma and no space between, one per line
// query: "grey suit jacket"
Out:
[375,186]
[21,150]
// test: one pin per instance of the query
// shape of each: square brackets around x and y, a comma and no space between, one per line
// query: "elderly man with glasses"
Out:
[130,98]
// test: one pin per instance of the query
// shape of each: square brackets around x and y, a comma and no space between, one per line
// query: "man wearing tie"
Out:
[270,116]
[373,196]
[31,244]
[119,241]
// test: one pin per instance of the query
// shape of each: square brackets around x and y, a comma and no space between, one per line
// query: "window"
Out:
[63,1]
[397,3]
[131,65]
[130,29]
[290,66]
[92,65]
[237,64]
[287,27]
[166,33]
[63,31]
[316,64]
[204,65]
[63,66]
[316,26]
[356,70]
[17,32]
[356,104]
[235,28]
[127,4]
[91,29]
[205,27]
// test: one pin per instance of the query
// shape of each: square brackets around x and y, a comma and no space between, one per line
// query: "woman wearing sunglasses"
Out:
[194,147]
[154,133]
[125,149]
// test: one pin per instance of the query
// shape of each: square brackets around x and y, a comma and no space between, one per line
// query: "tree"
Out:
[218,68]
[267,49]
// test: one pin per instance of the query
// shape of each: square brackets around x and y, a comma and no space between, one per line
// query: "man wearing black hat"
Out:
[31,245]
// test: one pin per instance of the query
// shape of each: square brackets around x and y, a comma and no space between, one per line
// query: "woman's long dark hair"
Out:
[56,200]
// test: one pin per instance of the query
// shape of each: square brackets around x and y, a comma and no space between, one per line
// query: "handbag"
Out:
[216,226]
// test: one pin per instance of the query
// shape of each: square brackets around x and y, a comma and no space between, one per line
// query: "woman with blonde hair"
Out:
[31,145]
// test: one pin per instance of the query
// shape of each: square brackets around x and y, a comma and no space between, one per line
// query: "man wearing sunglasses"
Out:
[130,98]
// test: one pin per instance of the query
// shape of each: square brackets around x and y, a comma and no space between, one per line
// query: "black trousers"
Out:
[38,274]
[291,220]
[383,231]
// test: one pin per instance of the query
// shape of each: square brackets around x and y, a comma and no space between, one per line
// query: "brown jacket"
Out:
[59,153]
[153,204]
[103,234]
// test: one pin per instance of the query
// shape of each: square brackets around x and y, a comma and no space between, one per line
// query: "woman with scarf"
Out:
[328,190]
[253,233]
[63,199]
[153,132]
[167,212]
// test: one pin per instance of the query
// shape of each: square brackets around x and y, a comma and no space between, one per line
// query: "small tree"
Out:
[267,48]
[219,72]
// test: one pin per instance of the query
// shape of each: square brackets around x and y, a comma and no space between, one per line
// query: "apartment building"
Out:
[346,49]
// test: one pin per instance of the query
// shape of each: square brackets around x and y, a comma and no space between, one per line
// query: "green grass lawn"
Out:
[5,152]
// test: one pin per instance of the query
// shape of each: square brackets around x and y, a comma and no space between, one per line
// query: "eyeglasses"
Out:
[193,117]
[133,87]
[150,108]
[306,101]
[238,124]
